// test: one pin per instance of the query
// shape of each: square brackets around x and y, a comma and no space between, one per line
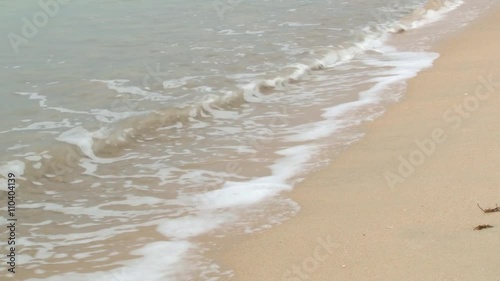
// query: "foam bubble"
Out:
[16,167]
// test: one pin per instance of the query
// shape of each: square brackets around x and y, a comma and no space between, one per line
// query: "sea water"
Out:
[135,127]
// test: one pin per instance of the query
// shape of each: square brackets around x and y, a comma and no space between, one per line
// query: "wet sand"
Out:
[401,203]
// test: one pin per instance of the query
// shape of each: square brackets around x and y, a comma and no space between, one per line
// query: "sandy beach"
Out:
[401,204]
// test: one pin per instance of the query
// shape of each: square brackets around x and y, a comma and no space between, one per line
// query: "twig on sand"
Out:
[494,210]
[482,226]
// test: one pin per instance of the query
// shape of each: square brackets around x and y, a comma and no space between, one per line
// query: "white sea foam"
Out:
[298,24]
[118,85]
[176,83]
[36,96]
[84,140]
[430,16]
[16,167]
[162,260]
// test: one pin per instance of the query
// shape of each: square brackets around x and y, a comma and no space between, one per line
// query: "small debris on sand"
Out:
[399,30]
[494,210]
[482,226]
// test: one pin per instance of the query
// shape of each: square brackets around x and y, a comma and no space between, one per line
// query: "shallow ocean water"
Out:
[136,126]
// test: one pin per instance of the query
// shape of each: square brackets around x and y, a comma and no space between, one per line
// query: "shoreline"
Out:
[400,204]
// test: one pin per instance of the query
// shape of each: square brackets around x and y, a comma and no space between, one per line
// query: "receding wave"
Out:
[109,141]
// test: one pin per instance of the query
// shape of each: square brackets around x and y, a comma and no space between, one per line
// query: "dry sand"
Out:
[353,226]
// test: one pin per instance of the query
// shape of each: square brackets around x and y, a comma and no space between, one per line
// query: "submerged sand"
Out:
[401,204]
